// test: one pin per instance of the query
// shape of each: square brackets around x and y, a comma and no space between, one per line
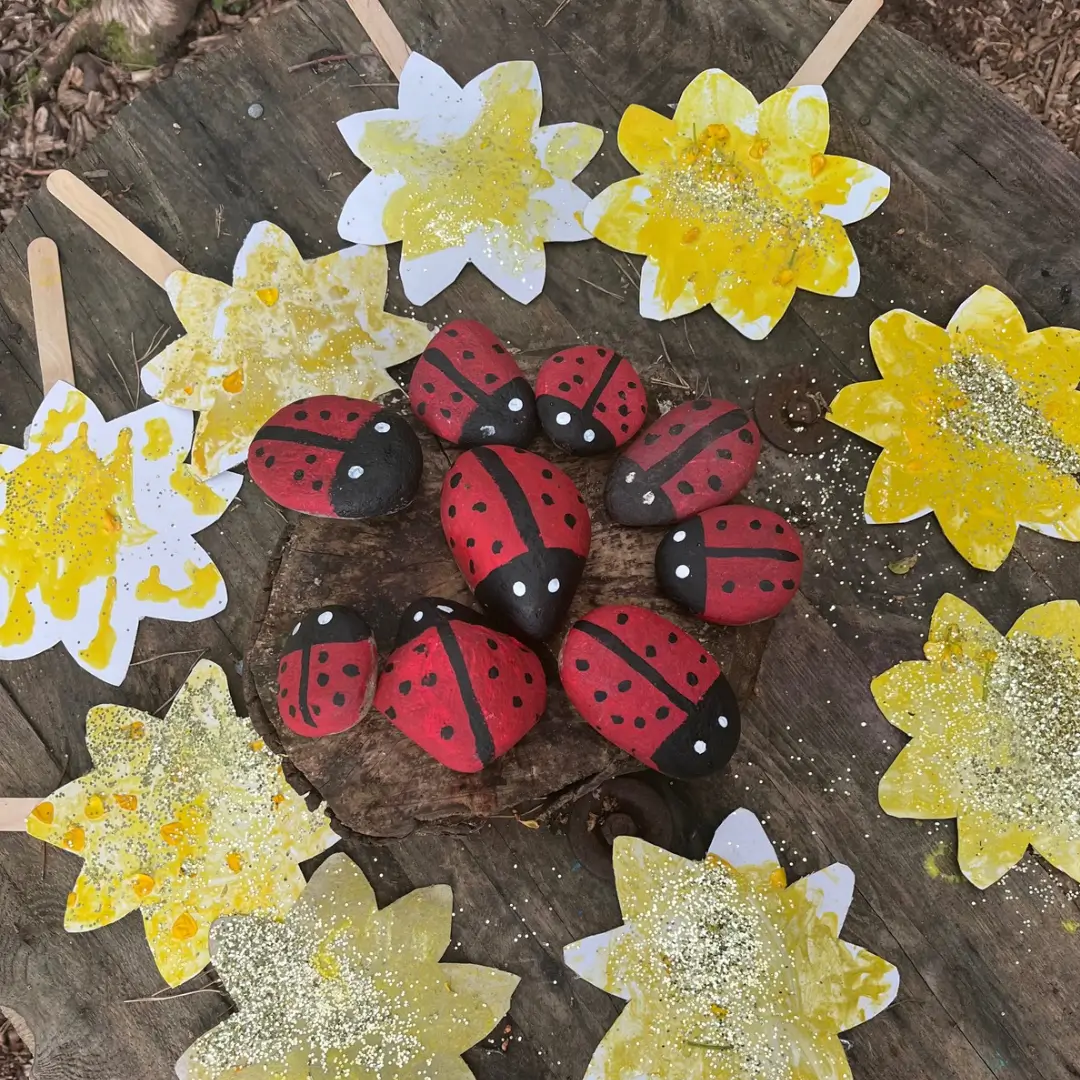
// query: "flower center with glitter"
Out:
[994,411]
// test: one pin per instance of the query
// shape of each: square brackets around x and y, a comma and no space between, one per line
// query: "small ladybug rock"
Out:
[337,457]
[326,674]
[519,530]
[461,691]
[590,400]
[698,455]
[731,565]
[468,389]
[651,690]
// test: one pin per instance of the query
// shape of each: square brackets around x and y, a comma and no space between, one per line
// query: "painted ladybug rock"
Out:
[519,530]
[326,674]
[731,565]
[698,455]
[651,690]
[468,389]
[461,691]
[337,457]
[590,400]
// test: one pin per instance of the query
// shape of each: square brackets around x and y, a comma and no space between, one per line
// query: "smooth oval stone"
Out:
[650,689]
[698,455]
[337,457]
[468,389]
[519,530]
[461,691]
[327,672]
[731,565]
[590,400]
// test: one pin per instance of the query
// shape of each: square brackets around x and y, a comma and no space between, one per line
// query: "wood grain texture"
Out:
[980,194]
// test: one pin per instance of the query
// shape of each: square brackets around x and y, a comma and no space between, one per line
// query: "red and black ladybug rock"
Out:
[467,388]
[460,690]
[337,457]
[590,400]
[698,455]
[731,565]
[651,690]
[519,530]
[327,671]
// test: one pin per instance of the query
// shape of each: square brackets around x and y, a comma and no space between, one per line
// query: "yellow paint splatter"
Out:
[44,812]
[1070,926]
[203,583]
[934,871]
[159,438]
[202,498]
[127,802]
[57,421]
[95,808]
[97,653]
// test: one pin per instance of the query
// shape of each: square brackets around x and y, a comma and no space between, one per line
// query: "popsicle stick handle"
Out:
[385,36]
[89,207]
[14,812]
[830,50]
[50,317]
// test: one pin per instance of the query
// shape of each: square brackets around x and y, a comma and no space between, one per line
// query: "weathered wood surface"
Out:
[980,194]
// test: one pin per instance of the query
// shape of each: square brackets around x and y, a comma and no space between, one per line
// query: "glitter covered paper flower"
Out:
[186,818]
[729,972]
[980,423]
[96,524]
[285,329]
[343,991]
[737,204]
[467,175]
[995,727]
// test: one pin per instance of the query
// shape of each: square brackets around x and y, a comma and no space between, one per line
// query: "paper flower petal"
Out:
[518,269]
[647,139]
[713,97]
[829,893]
[565,149]
[589,959]
[741,841]
[362,216]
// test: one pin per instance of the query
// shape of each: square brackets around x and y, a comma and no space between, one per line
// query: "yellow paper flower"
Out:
[285,329]
[345,991]
[96,531]
[737,204]
[730,973]
[980,423]
[186,818]
[995,727]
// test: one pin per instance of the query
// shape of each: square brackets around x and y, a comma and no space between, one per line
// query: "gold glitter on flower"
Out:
[737,204]
[980,423]
[995,728]
[185,818]
[467,175]
[285,329]
[729,972]
[342,990]
[96,525]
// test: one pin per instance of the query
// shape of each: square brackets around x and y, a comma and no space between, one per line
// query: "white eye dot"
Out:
[722,721]
[487,430]
[355,472]
[515,404]
[553,585]
[562,419]
[519,588]
[296,629]
[679,537]
[382,427]
[444,608]
[589,435]
[630,477]
[418,616]
[325,617]
[648,498]
[700,747]
[682,571]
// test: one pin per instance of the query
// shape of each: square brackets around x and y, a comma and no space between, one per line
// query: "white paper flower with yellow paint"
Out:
[186,818]
[730,973]
[343,991]
[467,175]
[96,531]
[287,328]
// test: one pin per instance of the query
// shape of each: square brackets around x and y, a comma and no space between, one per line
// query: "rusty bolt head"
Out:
[790,406]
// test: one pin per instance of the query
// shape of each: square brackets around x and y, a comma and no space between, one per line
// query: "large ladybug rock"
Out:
[460,690]
[327,671]
[337,457]
[698,455]
[519,530]
[590,400]
[651,689]
[468,389]
[731,565]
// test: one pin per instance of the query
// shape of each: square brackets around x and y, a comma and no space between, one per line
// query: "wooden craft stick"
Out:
[14,812]
[50,316]
[87,205]
[385,36]
[830,50]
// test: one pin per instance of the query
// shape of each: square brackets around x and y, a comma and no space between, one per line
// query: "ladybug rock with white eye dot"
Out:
[520,531]
[327,671]
[731,565]
[461,691]
[590,400]
[651,690]
[698,455]
[337,457]
[467,388]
